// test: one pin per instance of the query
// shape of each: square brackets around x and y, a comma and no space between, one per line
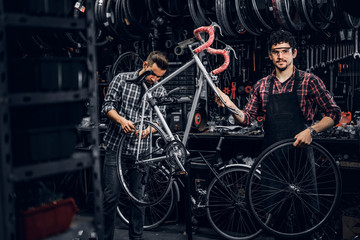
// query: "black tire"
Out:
[226,208]
[154,214]
[156,177]
[293,198]
[126,62]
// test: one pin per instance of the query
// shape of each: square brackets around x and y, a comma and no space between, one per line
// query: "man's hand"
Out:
[127,126]
[144,133]
[303,138]
[224,97]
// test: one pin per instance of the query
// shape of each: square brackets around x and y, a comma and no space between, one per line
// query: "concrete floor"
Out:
[173,231]
[81,229]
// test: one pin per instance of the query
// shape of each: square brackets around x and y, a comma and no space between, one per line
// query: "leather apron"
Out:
[283,118]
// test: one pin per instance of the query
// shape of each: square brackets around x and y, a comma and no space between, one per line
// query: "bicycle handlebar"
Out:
[210,31]
[225,53]
[206,46]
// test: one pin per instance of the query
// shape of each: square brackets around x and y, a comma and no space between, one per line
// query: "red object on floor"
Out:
[45,220]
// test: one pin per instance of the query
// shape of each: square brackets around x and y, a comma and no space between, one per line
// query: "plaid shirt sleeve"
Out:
[323,99]
[113,96]
[254,107]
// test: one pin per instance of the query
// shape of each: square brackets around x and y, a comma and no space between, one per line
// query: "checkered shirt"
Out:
[124,97]
[312,97]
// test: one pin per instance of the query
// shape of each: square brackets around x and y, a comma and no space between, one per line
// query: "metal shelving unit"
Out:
[10,174]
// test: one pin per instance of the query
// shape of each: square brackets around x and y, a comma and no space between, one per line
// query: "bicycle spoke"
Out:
[226,207]
[298,189]
[155,178]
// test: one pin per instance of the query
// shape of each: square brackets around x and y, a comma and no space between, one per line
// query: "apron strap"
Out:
[297,81]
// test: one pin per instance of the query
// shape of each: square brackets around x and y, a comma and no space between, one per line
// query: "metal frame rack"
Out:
[11,174]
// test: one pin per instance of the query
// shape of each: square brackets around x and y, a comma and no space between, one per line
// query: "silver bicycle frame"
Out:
[199,85]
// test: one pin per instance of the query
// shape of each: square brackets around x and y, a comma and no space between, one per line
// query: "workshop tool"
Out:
[316,57]
[322,54]
[233,89]
[307,59]
[331,72]
[356,54]
[311,58]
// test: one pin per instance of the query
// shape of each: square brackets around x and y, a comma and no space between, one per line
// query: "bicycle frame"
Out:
[204,76]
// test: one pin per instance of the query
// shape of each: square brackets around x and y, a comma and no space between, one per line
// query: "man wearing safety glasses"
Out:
[288,98]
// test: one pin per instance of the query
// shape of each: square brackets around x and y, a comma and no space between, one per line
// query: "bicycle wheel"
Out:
[297,191]
[227,210]
[154,214]
[151,170]
[126,62]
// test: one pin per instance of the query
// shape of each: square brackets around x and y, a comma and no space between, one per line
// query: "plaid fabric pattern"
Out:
[124,97]
[312,96]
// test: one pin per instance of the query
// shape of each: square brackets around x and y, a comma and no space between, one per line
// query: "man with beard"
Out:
[288,98]
[287,95]
[122,105]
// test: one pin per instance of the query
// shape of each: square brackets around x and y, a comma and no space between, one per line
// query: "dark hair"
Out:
[281,36]
[159,58]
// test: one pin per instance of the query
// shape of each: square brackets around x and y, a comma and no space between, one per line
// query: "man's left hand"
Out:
[144,133]
[303,138]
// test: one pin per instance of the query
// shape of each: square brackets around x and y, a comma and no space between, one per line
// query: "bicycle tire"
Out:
[154,215]
[173,10]
[139,19]
[316,198]
[126,62]
[289,15]
[226,208]
[121,23]
[156,178]
[259,8]
[306,11]
[243,15]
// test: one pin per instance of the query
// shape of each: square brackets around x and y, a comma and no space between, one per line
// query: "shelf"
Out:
[337,140]
[261,137]
[78,161]
[24,99]
[26,21]
[349,164]
[227,136]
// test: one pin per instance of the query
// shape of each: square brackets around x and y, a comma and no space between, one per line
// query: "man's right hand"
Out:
[127,126]
[225,98]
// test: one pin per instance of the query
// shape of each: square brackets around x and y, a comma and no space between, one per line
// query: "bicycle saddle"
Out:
[141,78]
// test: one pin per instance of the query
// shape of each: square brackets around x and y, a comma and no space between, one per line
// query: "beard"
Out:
[281,69]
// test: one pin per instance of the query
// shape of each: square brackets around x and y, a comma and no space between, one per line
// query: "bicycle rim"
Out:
[154,214]
[126,62]
[154,176]
[227,210]
[297,191]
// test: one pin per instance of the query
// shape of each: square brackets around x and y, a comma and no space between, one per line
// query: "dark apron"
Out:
[283,118]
